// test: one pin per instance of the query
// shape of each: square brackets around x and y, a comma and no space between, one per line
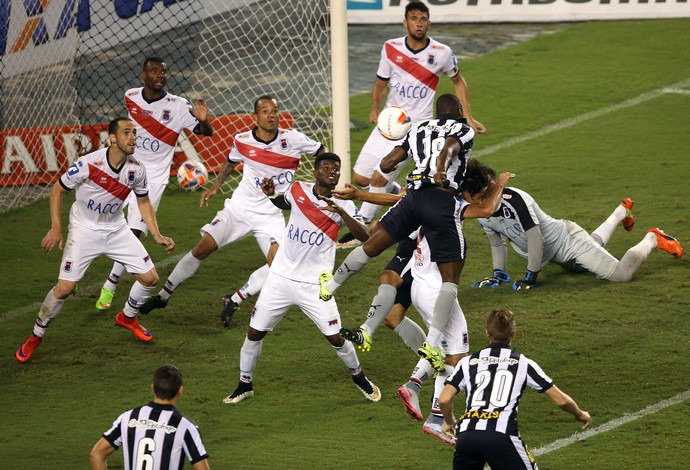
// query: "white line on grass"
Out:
[675,88]
[614,423]
[37,305]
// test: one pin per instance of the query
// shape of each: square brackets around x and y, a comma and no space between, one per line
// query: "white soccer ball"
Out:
[394,122]
[192,175]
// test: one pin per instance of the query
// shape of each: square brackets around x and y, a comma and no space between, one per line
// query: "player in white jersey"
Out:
[540,239]
[103,179]
[410,69]
[308,248]
[267,151]
[494,380]
[160,117]
[155,436]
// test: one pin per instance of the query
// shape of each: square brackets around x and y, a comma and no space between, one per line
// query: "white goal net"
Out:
[66,65]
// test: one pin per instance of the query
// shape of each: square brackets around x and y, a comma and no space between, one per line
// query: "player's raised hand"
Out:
[330,205]
[476,125]
[200,110]
[167,242]
[52,238]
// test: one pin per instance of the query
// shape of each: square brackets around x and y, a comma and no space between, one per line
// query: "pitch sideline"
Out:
[614,423]
[676,88]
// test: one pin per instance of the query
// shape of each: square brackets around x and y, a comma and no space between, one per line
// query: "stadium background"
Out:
[621,350]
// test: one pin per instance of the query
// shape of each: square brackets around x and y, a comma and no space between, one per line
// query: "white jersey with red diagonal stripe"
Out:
[413,77]
[308,246]
[159,124]
[101,190]
[277,159]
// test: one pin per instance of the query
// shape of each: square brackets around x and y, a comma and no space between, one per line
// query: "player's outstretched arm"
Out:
[445,402]
[54,235]
[351,192]
[566,403]
[225,171]
[148,213]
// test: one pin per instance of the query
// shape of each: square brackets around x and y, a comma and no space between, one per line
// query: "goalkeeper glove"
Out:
[529,282]
[494,281]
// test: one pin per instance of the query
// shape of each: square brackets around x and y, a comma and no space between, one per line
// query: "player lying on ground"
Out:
[541,239]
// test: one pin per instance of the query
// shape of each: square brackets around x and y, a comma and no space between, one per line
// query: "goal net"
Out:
[67,63]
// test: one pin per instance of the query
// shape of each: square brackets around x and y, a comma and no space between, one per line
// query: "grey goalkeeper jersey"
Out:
[519,212]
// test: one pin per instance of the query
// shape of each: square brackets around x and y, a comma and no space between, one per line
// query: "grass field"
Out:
[584,117]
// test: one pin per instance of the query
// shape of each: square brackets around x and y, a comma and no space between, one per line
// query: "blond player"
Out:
[103,179]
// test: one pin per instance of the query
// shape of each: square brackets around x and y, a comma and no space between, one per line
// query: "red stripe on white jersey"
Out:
[267,157]
[313,213]
[155,128]
[418,71]
[108,183]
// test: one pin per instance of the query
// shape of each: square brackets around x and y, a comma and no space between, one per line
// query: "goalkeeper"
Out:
[540,239]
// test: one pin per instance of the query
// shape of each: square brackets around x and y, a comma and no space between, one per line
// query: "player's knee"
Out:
[360,180]
[337,341]
[394,317]
[62,290]
[255,335]
[204,248]
[149,278]
[391,278]
[377,180]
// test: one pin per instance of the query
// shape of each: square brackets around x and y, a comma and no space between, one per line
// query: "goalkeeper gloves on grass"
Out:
[529,282]
[494,281]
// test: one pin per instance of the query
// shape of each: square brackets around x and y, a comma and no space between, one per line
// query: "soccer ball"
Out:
[192,175]
[394,122]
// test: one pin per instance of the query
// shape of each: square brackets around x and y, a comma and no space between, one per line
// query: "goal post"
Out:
[67,63]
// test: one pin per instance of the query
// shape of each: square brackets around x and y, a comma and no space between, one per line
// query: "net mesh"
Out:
[61,88]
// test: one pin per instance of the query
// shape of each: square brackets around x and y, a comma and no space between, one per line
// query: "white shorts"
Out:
[280,293]
[375,148]
[581,250]
[84,245]
[455,338]
[233,222]
[134,218]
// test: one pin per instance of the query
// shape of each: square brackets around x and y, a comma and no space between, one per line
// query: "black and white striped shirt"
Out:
[494,379]
[156,437]
[424,143]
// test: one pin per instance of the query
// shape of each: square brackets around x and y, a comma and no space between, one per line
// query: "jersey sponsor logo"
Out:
[416,92]
[481,415]
[109,208]
[283,178]
[491,360]
[316,216]
[152,145]
[151,424]
[305,236]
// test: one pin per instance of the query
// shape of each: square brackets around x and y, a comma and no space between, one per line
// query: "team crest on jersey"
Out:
[68,267]
[283,144]
[506,213]
[431,59]
[130,176]
[166,115]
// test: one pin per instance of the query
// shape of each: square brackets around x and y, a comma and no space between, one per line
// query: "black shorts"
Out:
[398,264]
[438,213]
[501,451]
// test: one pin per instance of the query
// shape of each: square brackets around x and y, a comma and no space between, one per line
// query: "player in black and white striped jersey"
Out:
[440,148]
[155,436]
[494,379]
